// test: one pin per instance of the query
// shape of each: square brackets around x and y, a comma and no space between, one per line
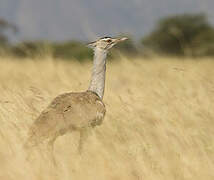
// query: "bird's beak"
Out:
[121,39]
[117,40]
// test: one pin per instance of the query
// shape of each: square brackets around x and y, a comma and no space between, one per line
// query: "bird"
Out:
[75,111]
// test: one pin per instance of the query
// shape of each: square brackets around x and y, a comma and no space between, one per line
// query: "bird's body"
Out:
[75,111]
[67,112]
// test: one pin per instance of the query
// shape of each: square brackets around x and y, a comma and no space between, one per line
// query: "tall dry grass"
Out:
[159,123]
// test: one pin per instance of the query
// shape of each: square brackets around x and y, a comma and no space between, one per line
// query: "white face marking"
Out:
[106,43]
[106,38]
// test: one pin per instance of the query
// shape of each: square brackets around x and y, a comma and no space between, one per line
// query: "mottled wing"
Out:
[67,112]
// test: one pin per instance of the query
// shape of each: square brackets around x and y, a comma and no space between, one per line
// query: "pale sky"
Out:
[87,19]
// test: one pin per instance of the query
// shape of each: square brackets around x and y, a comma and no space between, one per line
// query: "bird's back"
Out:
[69,111]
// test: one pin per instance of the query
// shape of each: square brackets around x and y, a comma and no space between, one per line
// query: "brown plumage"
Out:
[75,111]
[67,112]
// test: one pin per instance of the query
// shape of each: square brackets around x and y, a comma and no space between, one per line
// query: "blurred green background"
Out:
[62,29]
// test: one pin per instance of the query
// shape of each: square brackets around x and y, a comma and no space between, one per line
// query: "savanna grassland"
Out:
[159,123]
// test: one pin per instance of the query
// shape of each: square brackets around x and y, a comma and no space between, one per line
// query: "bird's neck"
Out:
[97,83]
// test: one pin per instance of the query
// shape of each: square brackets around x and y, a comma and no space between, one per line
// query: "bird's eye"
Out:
[108,41]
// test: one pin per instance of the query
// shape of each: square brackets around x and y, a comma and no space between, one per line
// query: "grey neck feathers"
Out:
[97,83]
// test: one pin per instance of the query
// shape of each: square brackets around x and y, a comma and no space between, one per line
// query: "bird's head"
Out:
[106,43]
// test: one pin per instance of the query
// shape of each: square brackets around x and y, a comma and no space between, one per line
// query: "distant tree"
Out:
[30,49]
[61,50]
[71,50]
[188,34]
[4,28]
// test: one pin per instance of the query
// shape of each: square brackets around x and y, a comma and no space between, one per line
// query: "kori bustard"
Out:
[79,111]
